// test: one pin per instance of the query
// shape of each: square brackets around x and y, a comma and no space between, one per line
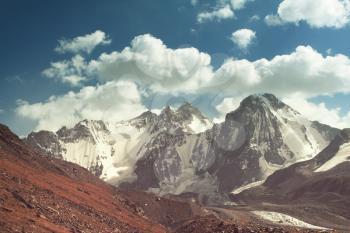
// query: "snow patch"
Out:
[284,219]
[248,186]
[198,126]
[342,156]
[298,134]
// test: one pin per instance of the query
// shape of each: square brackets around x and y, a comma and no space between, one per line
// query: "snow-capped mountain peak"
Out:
[186,118]
[186,110]
[180,150]
[167,113]
[144,120]
[276,136]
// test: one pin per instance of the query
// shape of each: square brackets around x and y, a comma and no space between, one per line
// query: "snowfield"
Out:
[284,219]
[342,156]
[248,186]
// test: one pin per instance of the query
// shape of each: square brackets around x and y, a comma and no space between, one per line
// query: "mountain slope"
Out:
[40,194]
[270,136]
[180,151]
[332,162]
[110,150]
[319,188]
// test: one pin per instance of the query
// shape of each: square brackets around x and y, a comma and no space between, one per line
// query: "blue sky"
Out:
[31,31]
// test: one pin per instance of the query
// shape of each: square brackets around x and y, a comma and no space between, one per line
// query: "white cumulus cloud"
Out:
[223,9]
[319,112]
[304,71]
[218,14]
[86,43]
[150,67]
[243,38]
[318,14]
[113,101]
[71,71]
[294,77]
[150,62]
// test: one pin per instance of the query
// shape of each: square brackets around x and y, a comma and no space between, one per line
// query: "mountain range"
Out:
[181,151]
[266,168]
[39,193]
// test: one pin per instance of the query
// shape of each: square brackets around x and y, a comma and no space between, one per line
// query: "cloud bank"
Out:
[317,14]
[112,101]
[148,67]
[148,61]
[72,72]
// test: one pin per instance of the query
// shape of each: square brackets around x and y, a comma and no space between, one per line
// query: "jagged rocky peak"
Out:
[274,101]
[97,124]
[188,108]
[167,119]
[45,142]
[81,130]
[253,106]
[146,118]
[259,100]
[42,135]
[187,111]
[261,107]
[147,115]
[186,118]
[167,114]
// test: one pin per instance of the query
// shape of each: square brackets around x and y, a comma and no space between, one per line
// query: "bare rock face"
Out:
[46,142]
[181,151]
